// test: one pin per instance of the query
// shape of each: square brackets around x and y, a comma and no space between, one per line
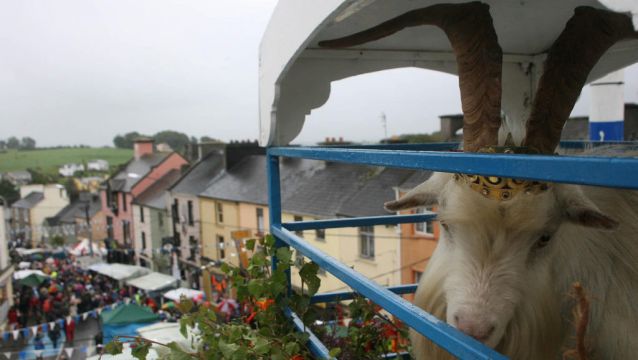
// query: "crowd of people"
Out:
[68,291]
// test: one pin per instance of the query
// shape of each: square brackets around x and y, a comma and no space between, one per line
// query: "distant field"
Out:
[49,160]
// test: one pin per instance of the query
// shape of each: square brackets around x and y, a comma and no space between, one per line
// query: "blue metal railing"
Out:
[598,171]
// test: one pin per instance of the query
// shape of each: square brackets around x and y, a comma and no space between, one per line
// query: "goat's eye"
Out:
[543,240]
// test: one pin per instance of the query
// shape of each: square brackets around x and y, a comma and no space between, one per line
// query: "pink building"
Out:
[146,167]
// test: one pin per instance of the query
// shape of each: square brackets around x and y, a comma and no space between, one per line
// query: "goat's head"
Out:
[496,232]
[498,251]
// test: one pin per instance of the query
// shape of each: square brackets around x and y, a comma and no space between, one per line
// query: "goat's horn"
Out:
[586,37]
[471,33]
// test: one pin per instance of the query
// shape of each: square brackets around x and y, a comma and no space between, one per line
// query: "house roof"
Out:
[313,187]
[197,178]
[29,201]
[376,190]
[324,193]
[76,209]
[135,170]
[155,195]
[247,181]
[24,174]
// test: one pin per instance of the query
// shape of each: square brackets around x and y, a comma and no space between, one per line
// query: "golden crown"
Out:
[502,188]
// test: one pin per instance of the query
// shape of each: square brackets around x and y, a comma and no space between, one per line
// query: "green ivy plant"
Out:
[263,330]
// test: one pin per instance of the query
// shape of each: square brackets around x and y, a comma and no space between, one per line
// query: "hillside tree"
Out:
[13,143]
[3,144]
[9,192]
[176,140]
[126,141]
[27,143]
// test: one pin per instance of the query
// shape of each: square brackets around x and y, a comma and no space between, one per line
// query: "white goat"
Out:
[511,249]
[502,270]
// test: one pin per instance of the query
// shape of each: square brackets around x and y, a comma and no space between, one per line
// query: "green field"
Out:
[48,160]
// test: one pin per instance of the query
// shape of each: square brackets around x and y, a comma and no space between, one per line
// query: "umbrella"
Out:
[33,280]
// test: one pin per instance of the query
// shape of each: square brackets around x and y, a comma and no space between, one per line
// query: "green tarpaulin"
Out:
[32,280]
[126,314]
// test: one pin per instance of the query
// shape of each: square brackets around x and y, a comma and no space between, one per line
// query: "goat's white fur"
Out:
[489,265]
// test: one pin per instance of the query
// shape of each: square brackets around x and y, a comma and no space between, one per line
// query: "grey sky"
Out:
[82,71]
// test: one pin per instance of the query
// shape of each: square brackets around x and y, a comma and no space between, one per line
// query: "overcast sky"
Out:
[82,71]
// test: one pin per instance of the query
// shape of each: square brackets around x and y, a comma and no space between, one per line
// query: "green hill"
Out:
[49,160]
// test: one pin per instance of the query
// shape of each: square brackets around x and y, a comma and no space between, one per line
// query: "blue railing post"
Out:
[274,204]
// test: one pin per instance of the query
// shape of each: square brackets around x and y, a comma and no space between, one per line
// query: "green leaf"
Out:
[262,346]
[284,254]
[309,276]
[113,348]
[256,287]
[177,353]
[259,259]
[269,241]
[185,306]
[141,349]
[334,352]
[250,244]
[228,349]
[291,348]
[225,268]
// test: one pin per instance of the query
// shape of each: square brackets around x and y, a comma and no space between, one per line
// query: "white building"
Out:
[70,169]
[98,165]
[6,269]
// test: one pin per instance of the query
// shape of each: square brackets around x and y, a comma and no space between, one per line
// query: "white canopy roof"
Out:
[176,294]
[21,274]
[153,281]
[83,248]
[119,271]
[295,74]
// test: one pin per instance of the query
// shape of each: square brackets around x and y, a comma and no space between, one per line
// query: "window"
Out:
[175,211]
[190,212]
[417,276]
[141,214]
[221,251]
[219,211]
[298,218]
[124,201]
[160,219]
[366,241]
[424,227]
[192,244]
[260,220]
[143,241]
[126,228]
[109,227]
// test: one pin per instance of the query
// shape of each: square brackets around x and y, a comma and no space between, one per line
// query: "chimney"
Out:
[142,146]
[205,148]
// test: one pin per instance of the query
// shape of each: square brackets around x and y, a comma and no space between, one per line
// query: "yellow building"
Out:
[237,202]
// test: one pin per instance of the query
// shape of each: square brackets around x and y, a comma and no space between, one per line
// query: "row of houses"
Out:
[160,209]
[205,212]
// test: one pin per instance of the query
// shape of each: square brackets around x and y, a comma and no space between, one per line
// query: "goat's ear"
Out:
[579,210]
[423,195]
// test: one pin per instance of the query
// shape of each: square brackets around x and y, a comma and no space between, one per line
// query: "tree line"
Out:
[175,139]
[26,143]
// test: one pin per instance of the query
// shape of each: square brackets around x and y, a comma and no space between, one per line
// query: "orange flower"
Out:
[265,304]
[297,357]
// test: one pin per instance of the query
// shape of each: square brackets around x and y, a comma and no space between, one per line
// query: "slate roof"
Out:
[313,187]
[156,194]
[329,189]
[247,182]
[378,189]
[76,209]
[197,178]
[135,170]
[29,201]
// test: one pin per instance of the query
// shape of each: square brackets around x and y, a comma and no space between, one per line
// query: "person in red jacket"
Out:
[13,317]
[70,331]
